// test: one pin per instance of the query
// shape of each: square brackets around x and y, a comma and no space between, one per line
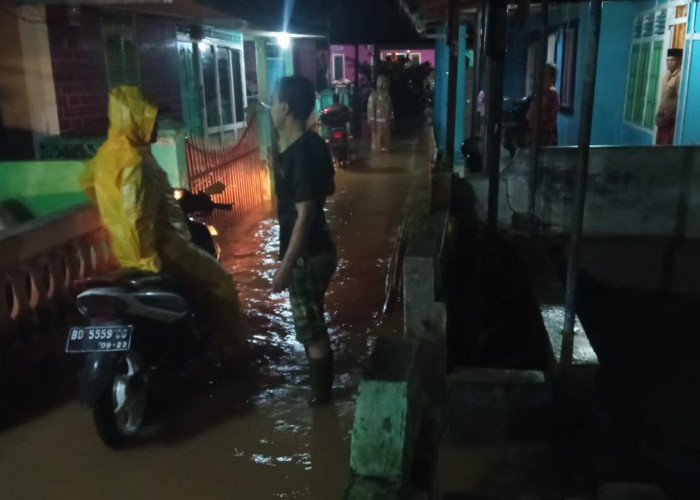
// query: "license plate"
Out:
[99,338]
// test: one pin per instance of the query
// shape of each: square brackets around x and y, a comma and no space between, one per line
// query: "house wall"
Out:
[365,53]
[80,74]
[25,71]
[158,63]
[688,127]
[611,85]
[516,64]
[442,62]
[305,58]
[569,122]
[15,134]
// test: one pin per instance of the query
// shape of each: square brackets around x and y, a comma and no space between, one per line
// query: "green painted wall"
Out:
[41,187]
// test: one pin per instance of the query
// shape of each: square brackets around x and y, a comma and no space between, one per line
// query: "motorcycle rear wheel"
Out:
[119,411]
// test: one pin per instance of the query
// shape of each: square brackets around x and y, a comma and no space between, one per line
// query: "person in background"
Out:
[666,115]
[380,114]
[549,110]
[303,179]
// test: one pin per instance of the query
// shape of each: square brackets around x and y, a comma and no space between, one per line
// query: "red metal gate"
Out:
[238,166]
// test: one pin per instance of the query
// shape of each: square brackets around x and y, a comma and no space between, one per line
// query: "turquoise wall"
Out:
[440,97]
[611,84]
[442,62]
[569,122]
[516,64]
[461,92]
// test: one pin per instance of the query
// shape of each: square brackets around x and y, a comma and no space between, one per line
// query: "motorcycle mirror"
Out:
[216,188]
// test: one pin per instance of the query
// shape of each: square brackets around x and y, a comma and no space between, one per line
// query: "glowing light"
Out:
[212,230]
[177,194]
[284,40]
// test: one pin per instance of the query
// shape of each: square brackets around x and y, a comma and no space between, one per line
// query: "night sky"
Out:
[350,21]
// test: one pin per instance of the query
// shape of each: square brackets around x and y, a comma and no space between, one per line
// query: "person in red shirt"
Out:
[549,110]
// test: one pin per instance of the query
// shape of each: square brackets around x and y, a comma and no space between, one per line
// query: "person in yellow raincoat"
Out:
[380,113]
[147,228]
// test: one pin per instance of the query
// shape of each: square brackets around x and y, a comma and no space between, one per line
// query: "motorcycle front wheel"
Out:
[119,411]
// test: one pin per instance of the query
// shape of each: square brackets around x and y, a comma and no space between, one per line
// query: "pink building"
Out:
[342,63]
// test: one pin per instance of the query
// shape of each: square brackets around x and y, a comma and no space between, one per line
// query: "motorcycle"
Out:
[141,325]
[515,125]
[335,118]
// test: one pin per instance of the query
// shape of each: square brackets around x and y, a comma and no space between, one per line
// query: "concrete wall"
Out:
[632,191]
[42,187]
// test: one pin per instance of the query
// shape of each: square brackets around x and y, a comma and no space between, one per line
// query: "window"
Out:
[120,49]
[653,32]
[189,87]
[251,69]
[338,67]
[222,87]
[415,58]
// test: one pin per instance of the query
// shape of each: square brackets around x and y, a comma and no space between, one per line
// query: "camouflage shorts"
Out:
[310,278]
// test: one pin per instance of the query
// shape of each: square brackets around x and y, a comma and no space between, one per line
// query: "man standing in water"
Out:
[303,178]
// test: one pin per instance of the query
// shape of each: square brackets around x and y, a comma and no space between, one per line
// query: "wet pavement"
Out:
[250,436]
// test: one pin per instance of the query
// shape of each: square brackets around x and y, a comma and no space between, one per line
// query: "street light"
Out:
[284,40]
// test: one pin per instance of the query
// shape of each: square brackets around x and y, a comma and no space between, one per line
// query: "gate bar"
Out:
[584,146]
[494,44]
[536,129]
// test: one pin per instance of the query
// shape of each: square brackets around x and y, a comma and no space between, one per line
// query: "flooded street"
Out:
[251,436]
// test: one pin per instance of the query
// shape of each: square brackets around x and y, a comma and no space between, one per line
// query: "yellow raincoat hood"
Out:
[115,179]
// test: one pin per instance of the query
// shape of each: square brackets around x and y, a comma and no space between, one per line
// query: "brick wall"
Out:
[80,73]
[80,76]
[158,63]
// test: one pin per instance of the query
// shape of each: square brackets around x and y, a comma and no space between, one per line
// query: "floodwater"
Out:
[252,435]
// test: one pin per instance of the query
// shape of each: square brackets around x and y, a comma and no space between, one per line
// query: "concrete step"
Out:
[495,407]
[501,472]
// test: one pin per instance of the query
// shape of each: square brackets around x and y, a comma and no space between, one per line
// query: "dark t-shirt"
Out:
[304,172]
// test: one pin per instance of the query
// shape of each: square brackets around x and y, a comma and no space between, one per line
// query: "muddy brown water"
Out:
[251,436]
